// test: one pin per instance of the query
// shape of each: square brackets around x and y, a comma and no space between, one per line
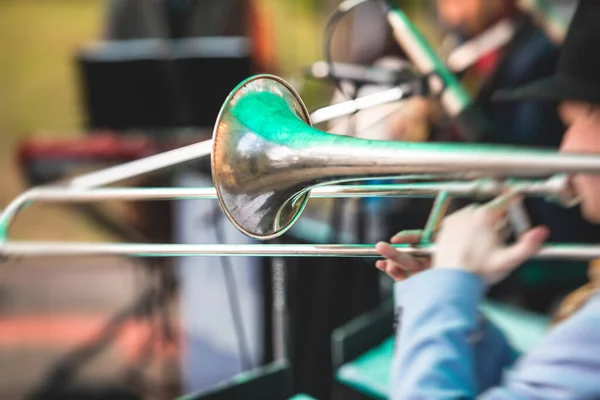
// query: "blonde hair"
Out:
[578,298]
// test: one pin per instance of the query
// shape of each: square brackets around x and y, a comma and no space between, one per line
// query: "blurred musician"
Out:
[518,52]
[444,349]
[491,44]
[528,54]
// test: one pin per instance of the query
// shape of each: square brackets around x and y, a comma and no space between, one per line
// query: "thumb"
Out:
[391,253]
[528,244]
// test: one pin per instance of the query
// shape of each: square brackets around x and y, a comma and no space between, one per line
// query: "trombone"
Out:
[267,161]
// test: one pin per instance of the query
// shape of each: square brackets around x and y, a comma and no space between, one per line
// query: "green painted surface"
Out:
[369,373]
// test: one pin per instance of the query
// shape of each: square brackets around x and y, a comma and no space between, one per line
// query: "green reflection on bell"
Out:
[258,126]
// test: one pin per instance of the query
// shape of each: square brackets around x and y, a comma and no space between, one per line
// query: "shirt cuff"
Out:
[440,287]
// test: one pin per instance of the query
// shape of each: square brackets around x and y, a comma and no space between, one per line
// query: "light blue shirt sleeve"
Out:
[442,352]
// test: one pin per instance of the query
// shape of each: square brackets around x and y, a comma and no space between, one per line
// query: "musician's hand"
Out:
[412,122]
[468,240]
[397,265]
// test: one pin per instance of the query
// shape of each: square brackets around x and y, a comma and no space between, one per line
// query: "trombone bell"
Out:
[253,156]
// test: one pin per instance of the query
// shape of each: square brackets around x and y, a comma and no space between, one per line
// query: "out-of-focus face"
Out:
[471,17]
[583,136]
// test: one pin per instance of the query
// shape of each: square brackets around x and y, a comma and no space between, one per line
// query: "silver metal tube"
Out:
[32,249]
[482,188]
[143,165]
[351,106]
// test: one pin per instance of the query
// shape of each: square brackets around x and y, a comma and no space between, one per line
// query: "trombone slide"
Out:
[45,249]
[484,188]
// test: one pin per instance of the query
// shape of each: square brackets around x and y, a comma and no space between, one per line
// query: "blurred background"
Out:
[86,84]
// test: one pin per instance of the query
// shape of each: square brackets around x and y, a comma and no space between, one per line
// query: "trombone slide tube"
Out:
[143,166]
[61,249]
[555,188]
[483,188]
